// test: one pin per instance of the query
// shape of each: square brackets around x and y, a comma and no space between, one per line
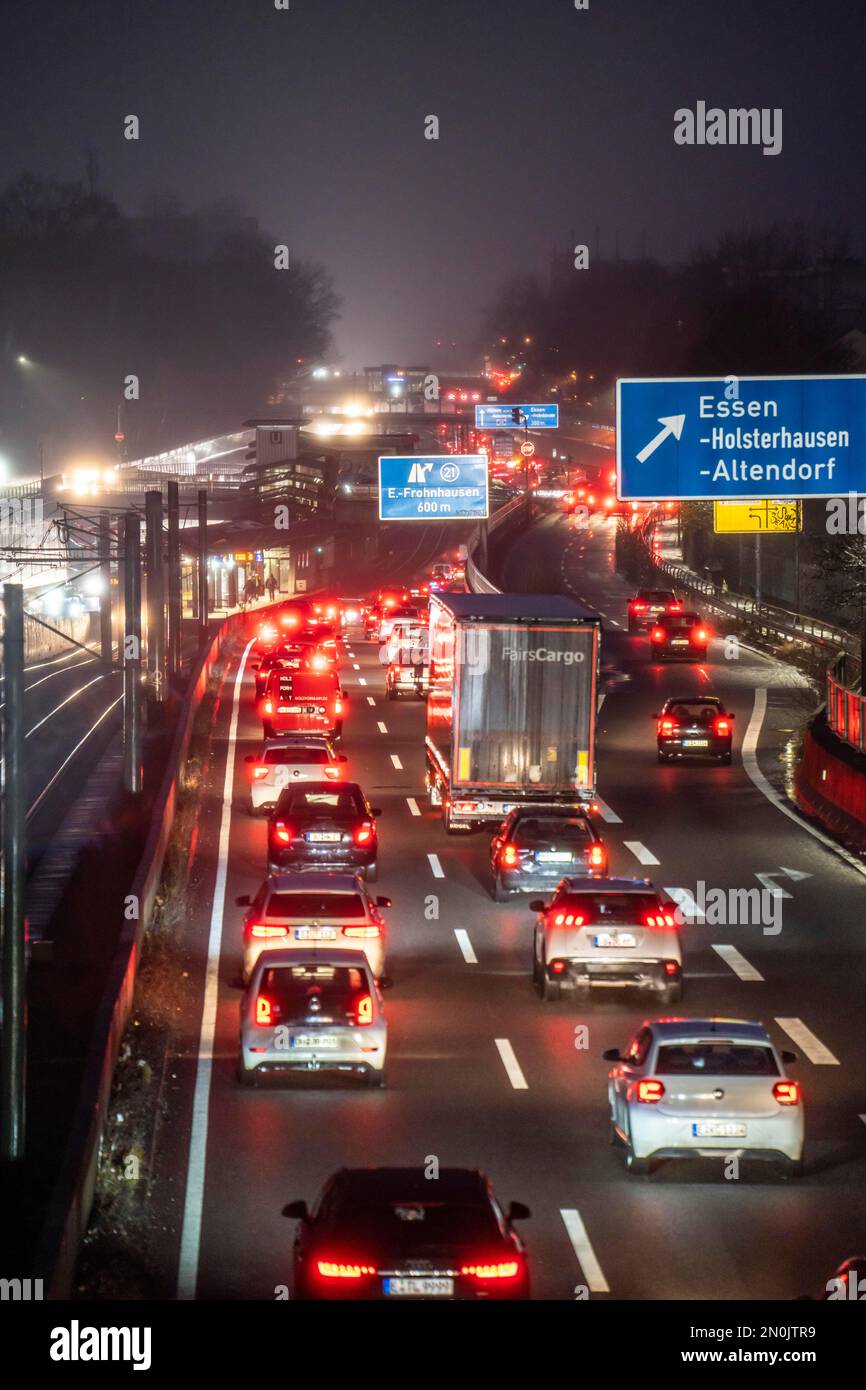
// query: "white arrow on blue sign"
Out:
[703,438]
[432,487]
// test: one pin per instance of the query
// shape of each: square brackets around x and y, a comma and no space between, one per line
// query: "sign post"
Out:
[702,439]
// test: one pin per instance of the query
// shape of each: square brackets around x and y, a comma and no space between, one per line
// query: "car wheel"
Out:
[371,873]
[639,1167]
[500,894]
[245,1077]
[268,730]
[672,993]
[632,627]
[550,990]
[391,693]
[663,757]
[536,970]
[376,1079]
[447,824]
[613,1135]
[792,1168]
[725,759]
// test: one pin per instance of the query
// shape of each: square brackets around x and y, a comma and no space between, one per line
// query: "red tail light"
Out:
[568,919]
[505,1269]
[674,608]
[318,662]
[598,856]
[364,834]
[262,930]
[660,919]
[699,635]
[259,771]
[666,726]
[338,706]
[637,607]
[658,634]
[509,857]
[334,1269]
[649,1092]
[264,1011]
[723,726]
[362,931]
[269,706]
[283,832]
[364,1010]
[787,1092]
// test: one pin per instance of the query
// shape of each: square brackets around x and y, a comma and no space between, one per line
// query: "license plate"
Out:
[622,938]
[679,641]
[554,857]
[323,837]
[719,1129]
[696,743]
[315,933]
[320,1041]
[418,1288]
[288,709]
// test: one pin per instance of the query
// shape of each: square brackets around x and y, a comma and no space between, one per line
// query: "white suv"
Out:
[284,761]
[607,932]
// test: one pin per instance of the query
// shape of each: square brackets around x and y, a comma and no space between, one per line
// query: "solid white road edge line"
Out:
[190,1239]
[511,1064]
[582,1246]
[750,763]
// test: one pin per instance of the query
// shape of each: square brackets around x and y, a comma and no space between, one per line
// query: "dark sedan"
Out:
[536,845]
[694,726]
[322,826]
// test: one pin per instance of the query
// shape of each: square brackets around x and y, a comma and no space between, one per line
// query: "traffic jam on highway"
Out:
[420,892]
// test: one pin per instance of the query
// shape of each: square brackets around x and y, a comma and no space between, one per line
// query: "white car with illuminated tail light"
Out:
[297,911]
[607,932]
[285,761]
[706,1088]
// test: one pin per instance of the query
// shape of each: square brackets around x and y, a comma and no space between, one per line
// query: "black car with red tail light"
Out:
[536,845]
[694,726]
[323,825]
[650,605]
[683,635]
[392,1234]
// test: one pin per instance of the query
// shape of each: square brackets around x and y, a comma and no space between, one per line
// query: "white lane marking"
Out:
[601,700]
[774,889]
[371,701]
[606,813]
[383,728]
[807,1042]
[465,946]
[190,1240]
[640,852]
[685,901]
[738,963]
[362,680]
[750,763]
[355,666]
[396,761]
[582,1247]
[613,622]
[863,1118]
[438,871]
[413,805]
[511,1064]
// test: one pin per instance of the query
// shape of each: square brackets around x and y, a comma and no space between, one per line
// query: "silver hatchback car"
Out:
[313,1011]
[708,1088]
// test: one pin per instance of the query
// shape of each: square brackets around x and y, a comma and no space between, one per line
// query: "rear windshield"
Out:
[412,1225]
[532,830]
[682,620]
[295,755]
[657,595]
[610,907]
[320,805]
[307,685]
[315,905]
[685,709]
[716,1059]
[310,991]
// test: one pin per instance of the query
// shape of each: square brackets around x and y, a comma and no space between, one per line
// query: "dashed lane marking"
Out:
[640,852]
[807,1042]
[465,946]
[738,963]
[582,1246]
[438,871]
[511,1065]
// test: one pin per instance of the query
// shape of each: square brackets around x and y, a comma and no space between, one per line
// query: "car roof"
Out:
[584,883]
[312,882]
[649,590]
[694,700]
[701,1029]
[313,955]
[457,1184]
[306,787]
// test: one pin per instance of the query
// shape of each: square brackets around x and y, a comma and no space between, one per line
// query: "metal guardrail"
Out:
[477,581]
[846,706]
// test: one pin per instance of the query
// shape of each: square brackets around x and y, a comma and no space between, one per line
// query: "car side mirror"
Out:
[376,811]
[244,900]
[384,902]
[611,1055]
[789,1057]
[537,905]
[386,982]
[341,758]
[296,1211]
[518,1211]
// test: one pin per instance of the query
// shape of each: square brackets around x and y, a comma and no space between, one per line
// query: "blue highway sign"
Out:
[500,417]
[432,487]
[717,437]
